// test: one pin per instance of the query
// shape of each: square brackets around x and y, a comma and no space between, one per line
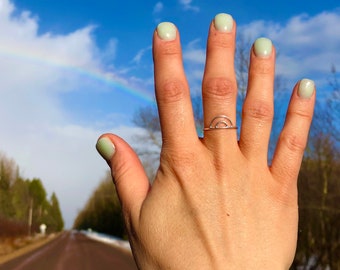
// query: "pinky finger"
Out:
[294,135]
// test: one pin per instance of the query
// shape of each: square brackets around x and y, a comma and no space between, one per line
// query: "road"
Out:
[73,251]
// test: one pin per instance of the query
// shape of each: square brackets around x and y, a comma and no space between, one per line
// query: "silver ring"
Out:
[220,122]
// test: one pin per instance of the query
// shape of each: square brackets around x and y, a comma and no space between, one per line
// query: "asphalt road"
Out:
[73,251]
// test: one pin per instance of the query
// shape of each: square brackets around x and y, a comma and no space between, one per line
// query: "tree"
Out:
[8,171]
[52,216]
[20,199]
[150,142]
[319,188]
[102,211]
[37,199]
[23,203]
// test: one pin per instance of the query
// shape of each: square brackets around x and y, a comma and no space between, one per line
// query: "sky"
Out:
[72,70]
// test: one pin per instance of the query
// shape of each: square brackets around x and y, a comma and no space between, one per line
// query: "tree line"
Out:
[24,204]
[319,186]
[318,244]
[102,212]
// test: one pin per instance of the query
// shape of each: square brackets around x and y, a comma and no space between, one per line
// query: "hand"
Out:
[215,203]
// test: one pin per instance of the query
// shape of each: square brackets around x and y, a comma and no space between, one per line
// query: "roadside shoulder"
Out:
[27,248]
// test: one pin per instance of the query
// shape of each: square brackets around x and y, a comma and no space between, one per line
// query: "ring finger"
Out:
[258,107]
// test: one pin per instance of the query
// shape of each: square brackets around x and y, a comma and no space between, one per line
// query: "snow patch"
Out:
[108,239]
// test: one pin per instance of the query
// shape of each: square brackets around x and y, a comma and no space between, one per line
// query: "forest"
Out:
[102,212]
[24,203]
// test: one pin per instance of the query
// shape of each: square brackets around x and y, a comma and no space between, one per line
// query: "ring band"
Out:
[220,122]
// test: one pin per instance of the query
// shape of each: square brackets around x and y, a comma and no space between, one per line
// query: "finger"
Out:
[293,138]
[172,90]
[131,182]
[219,90]
[258,107]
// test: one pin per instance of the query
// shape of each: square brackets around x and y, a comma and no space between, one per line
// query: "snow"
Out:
[108,239]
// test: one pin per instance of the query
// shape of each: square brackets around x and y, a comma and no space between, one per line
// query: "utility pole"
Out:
[30,217]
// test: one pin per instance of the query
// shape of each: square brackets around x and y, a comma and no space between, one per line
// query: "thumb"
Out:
[128,174]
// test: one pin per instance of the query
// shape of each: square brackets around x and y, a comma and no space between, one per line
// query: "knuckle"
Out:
[262,67]
[219,88]
[259,111]
[302,114]
[293,142]
[172,91]
[219,40]
[170,49]
[181,163]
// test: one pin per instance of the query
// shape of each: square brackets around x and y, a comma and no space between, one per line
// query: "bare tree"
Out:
[150,142]
[319,186]
[147,117]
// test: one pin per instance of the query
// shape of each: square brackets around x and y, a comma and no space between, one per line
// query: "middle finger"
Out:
[219,89]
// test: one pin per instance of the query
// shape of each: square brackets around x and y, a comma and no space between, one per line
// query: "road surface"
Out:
[73,251]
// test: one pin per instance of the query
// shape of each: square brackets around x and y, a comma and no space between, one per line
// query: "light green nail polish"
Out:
[306,88]
[166,31]
[105,148]
[224,22]
[263,47]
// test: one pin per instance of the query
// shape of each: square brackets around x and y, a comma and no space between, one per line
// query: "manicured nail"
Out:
[166,31]
[105,148]
[263,47]
[306,88]
[224,22]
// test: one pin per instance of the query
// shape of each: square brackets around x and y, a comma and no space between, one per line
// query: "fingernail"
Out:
[106,148]
[306,88]
[263,47]
[166,31]
[224,22]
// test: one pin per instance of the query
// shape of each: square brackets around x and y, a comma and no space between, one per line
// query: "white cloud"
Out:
[140,54]
[65,158]
[306,45]
[110,51]
[194,53]
[158,7]
[157,10]
[187,5]
[194,58]
[36,130]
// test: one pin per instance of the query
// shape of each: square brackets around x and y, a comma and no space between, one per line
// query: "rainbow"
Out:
[93,74]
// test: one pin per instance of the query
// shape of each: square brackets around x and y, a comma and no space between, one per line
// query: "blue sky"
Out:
[71,70]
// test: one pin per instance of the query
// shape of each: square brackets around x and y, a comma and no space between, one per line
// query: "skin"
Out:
[215,203]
